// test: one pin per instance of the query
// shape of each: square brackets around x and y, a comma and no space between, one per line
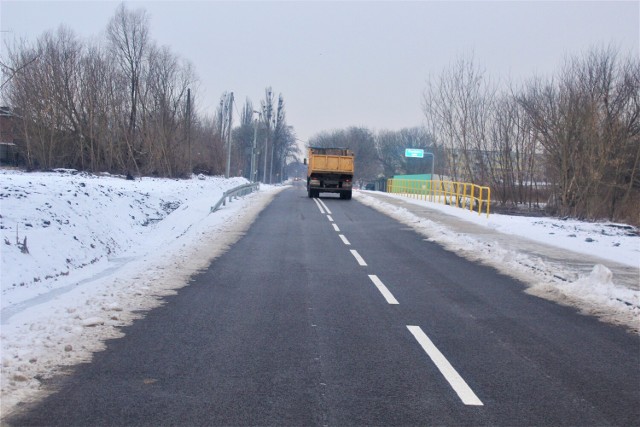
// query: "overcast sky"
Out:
[340,64]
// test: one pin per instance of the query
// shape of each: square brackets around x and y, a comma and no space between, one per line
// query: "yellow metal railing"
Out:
[458,194]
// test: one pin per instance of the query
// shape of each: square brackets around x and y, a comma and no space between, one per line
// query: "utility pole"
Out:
[433,163]
[271,164]
[189,128]
[252,177]
[230,125]
[267,110]
[222,117]
[264,171]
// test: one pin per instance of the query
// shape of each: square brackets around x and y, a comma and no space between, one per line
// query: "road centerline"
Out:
[335,227]
[458,384]
[383,289]
[358,258]
[344,240]
[324,206]
[319,206]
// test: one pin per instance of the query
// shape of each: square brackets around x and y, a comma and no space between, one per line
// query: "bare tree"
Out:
[457,107]
[21,94]
[243,141]
[10,72]
[225,126]
[587,121]
[268,118]
[46,95]
[512,158]
[124,105]
[208,147]
[284,141]
[96,72]
[165,108]
[361,141]
[127,33]
[391,146]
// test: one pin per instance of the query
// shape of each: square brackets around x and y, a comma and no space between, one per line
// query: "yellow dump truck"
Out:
[329,170]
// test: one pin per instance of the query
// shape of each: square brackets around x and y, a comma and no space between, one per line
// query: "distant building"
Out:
[8,138]
[6,125]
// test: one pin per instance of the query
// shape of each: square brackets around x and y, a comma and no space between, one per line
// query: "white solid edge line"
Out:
[318,205]
[358,258]
[330,218]
[383,289]
[335,227]
[465,393]
[344,240]
[325,207]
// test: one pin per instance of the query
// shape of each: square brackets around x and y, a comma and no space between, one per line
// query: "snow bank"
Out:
[89,219]
[615,242]
[594,294]
[60,295]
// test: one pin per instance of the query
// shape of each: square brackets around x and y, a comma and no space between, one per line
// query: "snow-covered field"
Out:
[83,255]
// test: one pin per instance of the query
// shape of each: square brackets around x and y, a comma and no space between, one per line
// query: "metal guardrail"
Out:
[458,194]
[236,192]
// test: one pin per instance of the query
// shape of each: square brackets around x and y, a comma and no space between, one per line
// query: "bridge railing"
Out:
[459,194]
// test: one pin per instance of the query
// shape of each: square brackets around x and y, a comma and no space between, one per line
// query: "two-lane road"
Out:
[329,313]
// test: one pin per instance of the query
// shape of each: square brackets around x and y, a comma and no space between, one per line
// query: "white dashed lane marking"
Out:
[344,240]
[358,258]
[383,289]
[458,384]
[465,393]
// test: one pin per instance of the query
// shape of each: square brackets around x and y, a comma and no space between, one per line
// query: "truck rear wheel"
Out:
[345,195]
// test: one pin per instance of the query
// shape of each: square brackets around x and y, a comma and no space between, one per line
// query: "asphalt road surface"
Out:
[330,313]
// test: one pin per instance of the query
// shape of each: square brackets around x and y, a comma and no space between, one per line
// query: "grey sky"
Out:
[339,64]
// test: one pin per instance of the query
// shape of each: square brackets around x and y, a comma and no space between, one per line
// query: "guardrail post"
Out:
[235,192]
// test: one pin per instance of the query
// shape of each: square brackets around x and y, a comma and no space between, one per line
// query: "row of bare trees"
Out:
[486,135]
[126,105]
[382,153]
[117,106]
[571,141]
[358,139]
[264,142]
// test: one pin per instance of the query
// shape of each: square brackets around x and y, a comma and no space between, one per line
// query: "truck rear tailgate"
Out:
[323,163]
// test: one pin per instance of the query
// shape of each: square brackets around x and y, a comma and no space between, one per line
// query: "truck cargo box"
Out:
[326,163]
[330,170]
